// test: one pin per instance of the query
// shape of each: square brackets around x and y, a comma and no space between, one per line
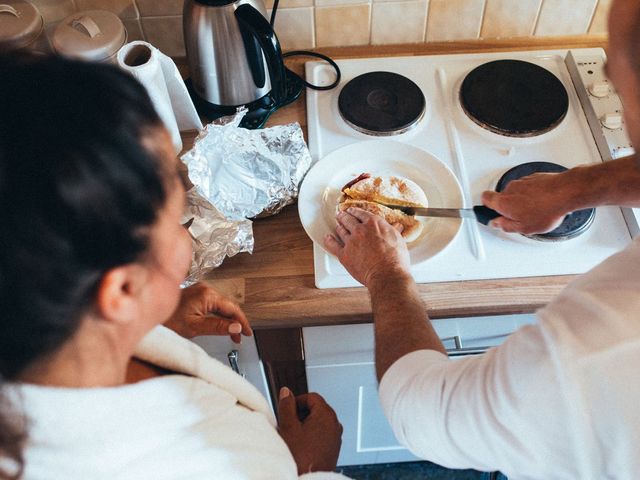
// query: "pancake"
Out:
[390,190]
[367,192]
[411,226]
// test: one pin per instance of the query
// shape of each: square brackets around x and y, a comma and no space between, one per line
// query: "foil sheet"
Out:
[213,236]
[248,173]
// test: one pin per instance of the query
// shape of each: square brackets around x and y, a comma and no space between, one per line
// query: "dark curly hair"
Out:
[77,193]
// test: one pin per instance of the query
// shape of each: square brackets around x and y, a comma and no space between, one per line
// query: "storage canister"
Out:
[21,27]
[94,35]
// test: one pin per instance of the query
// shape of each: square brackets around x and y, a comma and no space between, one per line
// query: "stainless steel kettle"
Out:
[234,57]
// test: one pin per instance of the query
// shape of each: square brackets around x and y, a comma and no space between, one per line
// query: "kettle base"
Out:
[258,111]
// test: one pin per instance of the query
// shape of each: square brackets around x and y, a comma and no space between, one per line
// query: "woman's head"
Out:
[82,182]
[89,218]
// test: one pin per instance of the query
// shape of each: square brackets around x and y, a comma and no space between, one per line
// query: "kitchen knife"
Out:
[481,213]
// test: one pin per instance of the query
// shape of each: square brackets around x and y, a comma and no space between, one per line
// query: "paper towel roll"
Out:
[165,86]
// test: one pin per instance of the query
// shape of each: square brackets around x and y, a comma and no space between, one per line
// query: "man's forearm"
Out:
[400,319]
[611,183]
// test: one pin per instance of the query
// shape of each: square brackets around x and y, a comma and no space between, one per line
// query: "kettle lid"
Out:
[20,24]
[92,35]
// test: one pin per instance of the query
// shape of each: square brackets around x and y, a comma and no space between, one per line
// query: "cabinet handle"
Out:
[458,350]
[233,361]
[457,341]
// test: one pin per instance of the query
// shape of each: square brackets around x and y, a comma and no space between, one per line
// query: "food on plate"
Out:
[368,192]
[391,190]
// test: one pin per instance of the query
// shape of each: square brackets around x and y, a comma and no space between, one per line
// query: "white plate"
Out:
[320,190]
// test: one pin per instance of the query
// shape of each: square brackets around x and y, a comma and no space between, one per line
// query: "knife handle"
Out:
[484,214]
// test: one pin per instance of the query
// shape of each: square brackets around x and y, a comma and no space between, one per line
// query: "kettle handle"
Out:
[260,28]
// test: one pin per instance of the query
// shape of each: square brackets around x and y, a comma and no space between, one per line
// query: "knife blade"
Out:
[481,213]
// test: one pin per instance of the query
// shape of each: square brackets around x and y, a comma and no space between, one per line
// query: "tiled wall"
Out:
[322,23]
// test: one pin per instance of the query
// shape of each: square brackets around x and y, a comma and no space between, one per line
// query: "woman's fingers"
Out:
[287,413]
[231,313]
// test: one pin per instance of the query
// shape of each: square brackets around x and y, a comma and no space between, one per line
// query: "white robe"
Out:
[210,425]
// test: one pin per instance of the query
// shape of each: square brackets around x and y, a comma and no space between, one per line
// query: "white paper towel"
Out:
[165,86]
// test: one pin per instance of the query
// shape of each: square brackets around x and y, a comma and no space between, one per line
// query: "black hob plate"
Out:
[381,103]
[514,98]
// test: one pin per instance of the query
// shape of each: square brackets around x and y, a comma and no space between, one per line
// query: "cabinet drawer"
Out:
[340,366]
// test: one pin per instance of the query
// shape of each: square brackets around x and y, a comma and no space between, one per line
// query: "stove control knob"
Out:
[599,89]
[612,121]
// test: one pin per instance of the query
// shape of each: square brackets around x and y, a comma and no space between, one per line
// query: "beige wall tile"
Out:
[288,4]
[398,22]
[342,26]
[122,8]
[600,17]
[54,10]
[156,8]
[295,28]
[134,29]
[454,20]
[510,18]
[337,3]
[165,33]
[565,17]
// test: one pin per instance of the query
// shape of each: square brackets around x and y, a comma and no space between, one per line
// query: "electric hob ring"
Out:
[381,103]
[574,224]
[514,98]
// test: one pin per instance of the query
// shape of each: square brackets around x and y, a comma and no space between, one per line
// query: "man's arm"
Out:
[400,320]
[481,412]
[376,255]
[539,202]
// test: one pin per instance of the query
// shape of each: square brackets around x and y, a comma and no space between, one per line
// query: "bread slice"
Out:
[411,227]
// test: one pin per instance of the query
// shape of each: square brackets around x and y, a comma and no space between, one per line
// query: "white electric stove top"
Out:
[477,158]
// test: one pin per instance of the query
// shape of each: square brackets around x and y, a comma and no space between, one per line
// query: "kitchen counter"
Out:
[275,284]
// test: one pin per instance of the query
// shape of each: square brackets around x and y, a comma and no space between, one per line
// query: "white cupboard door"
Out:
[339,363]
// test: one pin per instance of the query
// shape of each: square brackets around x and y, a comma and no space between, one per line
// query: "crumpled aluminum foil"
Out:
[248,173]
[213,236]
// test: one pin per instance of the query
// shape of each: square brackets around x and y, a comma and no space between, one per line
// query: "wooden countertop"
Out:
[275,284]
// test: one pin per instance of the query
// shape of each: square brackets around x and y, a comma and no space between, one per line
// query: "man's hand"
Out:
[310,428]
[367,246]
[537,203]
[204,311]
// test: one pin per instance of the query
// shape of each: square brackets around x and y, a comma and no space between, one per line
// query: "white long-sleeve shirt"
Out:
[558,400]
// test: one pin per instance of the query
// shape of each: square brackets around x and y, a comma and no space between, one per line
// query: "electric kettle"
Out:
[235,60]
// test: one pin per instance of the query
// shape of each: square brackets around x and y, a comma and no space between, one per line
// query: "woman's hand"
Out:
[311,430]
[367,246]
[204,311]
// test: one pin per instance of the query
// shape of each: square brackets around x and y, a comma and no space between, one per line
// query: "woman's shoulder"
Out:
[164,392]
